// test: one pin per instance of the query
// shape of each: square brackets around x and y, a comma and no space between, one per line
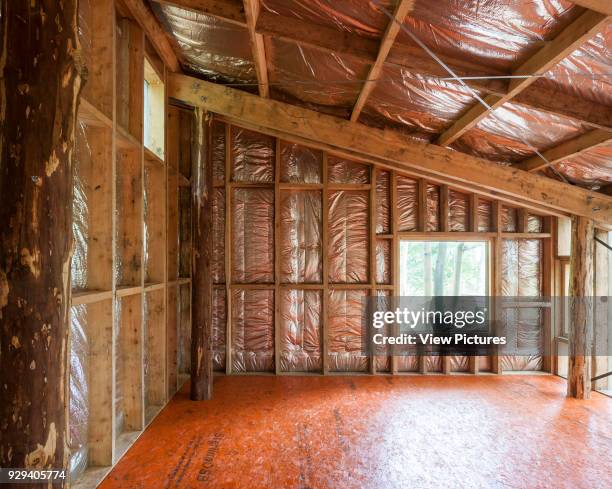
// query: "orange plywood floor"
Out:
[375,432]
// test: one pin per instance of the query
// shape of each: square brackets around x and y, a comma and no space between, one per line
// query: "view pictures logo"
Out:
[411,318]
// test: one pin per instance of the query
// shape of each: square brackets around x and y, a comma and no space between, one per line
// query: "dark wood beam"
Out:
[581,308]
[394,150]
[37,133]
[201,276]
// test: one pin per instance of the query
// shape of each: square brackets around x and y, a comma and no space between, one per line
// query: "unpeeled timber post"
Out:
[581,309]
[201,277]
[40,84]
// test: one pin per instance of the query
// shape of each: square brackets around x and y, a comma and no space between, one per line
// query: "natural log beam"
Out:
[402,9]
[251,8]
[601,6]
[392,149]
[606,190]
[571,38]
[156,34]
[38,121]
[581,309]
[566,150]
[201,276]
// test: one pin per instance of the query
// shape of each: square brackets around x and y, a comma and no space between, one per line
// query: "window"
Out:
[154,100]
[444,268]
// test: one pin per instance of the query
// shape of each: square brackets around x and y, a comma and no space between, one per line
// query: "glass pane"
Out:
[443,268]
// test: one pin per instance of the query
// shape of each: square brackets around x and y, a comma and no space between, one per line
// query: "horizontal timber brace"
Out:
[394,150]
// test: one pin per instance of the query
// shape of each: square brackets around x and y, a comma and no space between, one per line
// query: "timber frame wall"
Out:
[495,237]
[137,294]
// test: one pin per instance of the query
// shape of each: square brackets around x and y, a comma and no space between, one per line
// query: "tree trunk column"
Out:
[39,91]
[201,276]
[581,309]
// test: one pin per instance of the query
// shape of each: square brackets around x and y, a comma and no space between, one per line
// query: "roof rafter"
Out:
[251,8]
[567,150]
[329,39]
[601,6]
[156,34]
[402,9]
[393,150]
[415,60]
[571,38]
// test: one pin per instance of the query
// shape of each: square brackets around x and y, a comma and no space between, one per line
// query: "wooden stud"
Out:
[131,368]
[325,242]
[496,292]
[372,257]
[522,220]
[395,267]
[422,206]
[473,218]
[600,362]
[277,225]
[547,293]
[444,211]
[228,249]
[101,399]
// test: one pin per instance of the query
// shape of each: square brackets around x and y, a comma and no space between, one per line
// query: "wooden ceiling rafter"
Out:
[154,31]
[391,148]
[520,91]
[601,6]
[332,40]
[572,37]
[329,39]
[251,8]
[393,29]
[567,150]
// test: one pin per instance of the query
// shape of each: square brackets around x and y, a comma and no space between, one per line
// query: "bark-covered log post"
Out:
[40,84]
[581,309]
[201,277]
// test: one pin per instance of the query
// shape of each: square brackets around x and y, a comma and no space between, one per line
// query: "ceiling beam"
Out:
[412,58]
[566,150]
[571,38]
[251,8]
[391,148]
[156,34]
[232,11]
[402,9]
[606,190]
[601,6]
